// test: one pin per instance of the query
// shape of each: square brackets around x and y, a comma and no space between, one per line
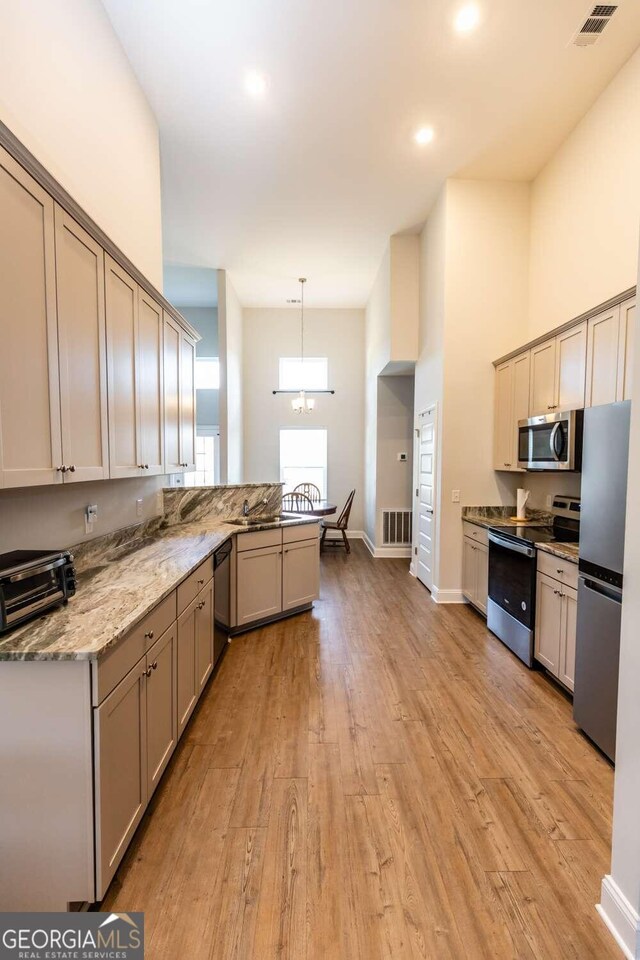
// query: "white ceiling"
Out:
[314,178]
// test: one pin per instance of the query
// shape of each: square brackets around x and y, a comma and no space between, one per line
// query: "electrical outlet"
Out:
[139,505]
[549,500]
[402,457]
[159,503]
[90,517]
[455,496]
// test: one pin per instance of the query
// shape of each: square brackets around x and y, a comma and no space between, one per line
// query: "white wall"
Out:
[53,517]
[473,309]
[336,334]
[68,92]
[230,338]
[585,209]
[377,354]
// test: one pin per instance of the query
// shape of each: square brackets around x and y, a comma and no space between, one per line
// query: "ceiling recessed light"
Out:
[467,18]
[255,84]
[424,135]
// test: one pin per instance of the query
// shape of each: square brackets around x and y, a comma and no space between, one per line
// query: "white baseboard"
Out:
[447,596]
[621,918]
[352,535]
[413,569]
[380,553]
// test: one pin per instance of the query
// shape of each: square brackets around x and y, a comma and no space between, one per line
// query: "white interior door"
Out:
[426,431]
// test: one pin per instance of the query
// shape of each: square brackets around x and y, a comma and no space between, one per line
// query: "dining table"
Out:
[319,508]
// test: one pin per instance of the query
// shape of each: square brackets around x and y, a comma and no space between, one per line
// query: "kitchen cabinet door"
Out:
[204,636]
[259,584]
[162,710]
[503,417]
[482,577]
[625,354]
[171,354]
[121,295]
[469,569]
[602,358]
[149,362]
[82,351]
[542,391]
[120,732]
[548,622]
[188,686]
[521,385]
[187,402]
[571,367]
[300,573]
[30,431]
[567,665]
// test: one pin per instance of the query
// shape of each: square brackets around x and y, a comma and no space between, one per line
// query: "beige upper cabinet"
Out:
[187,402]
[149,380]
[625,353]
[558,372]
[571,363]
[179,399]
[603,337]
[511,405]
[30,431]
[542,392]
[122,321]
[82,351]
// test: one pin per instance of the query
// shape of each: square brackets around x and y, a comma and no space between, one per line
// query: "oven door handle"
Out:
[32,571]
[510,545]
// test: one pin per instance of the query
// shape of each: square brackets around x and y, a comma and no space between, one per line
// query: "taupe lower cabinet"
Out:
[195,652]
[475,573]
[555,635]
[81,366]
[277,571]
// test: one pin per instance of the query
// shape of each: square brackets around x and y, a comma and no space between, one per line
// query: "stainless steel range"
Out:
[512,574]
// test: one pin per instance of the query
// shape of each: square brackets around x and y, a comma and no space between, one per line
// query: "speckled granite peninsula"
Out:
[123,575]
[490,516]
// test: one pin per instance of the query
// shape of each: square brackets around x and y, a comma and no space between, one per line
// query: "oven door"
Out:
[512,578]
[550,442]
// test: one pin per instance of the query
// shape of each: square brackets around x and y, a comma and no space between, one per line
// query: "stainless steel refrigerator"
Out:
[605,461]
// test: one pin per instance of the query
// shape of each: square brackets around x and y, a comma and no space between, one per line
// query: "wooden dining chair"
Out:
[296,502]
[310,490]
[341,524]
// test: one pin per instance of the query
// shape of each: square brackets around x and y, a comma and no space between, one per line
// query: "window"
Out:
[207,470]
[303,459]
[207,373]
[308,374]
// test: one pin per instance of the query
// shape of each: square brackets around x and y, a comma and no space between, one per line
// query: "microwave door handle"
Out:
[552,441]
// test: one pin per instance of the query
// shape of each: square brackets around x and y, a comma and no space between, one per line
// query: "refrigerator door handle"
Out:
[605,590]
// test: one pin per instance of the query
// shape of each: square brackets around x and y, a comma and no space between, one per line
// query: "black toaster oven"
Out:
[31,582]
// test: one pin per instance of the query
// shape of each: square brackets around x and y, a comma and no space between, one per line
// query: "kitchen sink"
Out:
[258,521]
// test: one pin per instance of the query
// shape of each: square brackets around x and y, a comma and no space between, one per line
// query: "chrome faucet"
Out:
[246,509]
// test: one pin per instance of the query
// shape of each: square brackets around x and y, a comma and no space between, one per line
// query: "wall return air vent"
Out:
[396,527]
[594,24]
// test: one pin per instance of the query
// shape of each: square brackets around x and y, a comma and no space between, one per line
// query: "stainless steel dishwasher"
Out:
[222,598]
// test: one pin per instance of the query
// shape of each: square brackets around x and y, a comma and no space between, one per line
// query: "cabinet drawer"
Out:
[191,587]
[257,539]
[560,568]
[306,531]
[110,669]
[479,534]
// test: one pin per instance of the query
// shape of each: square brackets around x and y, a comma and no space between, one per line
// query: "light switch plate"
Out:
[455,496]
[139,505]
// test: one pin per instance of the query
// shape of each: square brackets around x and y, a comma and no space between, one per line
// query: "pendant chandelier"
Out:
[302,403]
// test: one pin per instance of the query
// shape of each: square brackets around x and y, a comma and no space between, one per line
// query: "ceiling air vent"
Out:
[594,24]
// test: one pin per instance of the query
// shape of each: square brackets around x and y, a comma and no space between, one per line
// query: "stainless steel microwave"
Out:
[551,442]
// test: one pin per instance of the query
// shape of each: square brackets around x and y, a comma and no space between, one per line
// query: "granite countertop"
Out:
[501,520]
[117,589]
[568,551]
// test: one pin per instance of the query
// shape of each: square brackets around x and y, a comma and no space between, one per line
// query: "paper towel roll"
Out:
[521,502]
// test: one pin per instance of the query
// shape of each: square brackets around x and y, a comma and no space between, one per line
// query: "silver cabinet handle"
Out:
[200,582]
[155,665]
[148,672]
[149,635]
[559,571]
[62,469]
[72,468]
[507,464]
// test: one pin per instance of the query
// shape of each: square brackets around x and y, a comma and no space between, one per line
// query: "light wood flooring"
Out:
[377,778]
